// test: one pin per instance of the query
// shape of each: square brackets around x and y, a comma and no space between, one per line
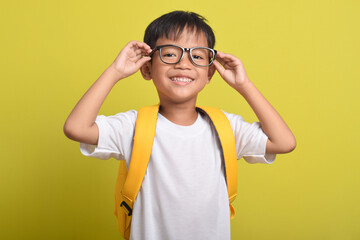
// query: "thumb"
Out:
[142,61]
[219,68]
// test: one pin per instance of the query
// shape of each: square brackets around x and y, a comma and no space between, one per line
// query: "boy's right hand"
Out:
[131,58]
[80,125]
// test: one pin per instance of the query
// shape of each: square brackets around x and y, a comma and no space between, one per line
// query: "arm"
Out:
[80,125]
[280,137]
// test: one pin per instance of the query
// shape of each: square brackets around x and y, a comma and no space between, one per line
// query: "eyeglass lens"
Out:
[200,56]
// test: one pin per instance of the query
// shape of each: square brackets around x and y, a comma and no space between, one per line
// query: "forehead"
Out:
[187,39]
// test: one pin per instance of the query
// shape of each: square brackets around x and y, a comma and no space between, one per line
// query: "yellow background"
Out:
[303,56]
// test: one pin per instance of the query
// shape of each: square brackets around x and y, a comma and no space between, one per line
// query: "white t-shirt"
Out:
[184,193]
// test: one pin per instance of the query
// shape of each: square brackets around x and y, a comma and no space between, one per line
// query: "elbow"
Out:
[290,145]
[70,131]
[67,130]
[79,133]
[284,146]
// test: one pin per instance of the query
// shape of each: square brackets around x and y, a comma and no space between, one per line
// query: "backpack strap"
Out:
[227,140]
[143,141]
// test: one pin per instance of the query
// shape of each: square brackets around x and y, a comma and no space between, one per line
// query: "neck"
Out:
[181,114]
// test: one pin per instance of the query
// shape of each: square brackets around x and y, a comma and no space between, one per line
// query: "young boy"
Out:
[184,193]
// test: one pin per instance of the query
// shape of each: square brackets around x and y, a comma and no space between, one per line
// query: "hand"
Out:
[231,69]
[131,58]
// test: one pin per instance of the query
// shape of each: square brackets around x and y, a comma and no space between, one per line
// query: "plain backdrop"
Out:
[302,55]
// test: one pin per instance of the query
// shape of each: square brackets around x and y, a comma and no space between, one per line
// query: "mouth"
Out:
[181,79]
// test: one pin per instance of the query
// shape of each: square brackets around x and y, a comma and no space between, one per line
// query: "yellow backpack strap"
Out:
[122,216]
[128,183]
[143,141]
[227,139]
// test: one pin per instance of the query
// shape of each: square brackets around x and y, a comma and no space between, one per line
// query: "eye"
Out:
[199,54]
[169,55]
[170,52]
[197,57]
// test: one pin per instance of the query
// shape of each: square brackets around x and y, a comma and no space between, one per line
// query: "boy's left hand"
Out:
[231,69]
[280,137]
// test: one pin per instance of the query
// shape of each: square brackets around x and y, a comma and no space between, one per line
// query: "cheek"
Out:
[157,73]
[158,68]
[204,74]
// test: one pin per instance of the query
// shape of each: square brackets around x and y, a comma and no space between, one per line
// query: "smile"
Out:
[181,79]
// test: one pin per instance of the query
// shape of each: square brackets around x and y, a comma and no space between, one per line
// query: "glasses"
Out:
[172,54]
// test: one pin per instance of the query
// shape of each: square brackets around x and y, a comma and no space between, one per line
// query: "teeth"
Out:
[180,79]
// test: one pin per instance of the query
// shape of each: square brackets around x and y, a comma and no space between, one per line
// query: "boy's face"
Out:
[181,82]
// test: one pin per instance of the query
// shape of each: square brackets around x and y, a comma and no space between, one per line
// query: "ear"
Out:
[211,72]
[146,70]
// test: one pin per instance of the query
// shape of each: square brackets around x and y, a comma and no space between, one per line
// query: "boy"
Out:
[183,194]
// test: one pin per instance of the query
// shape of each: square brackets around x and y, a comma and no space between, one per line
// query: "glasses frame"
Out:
[183,53]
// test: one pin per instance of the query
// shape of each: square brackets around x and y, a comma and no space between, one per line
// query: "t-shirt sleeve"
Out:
[250,140]
[115,136]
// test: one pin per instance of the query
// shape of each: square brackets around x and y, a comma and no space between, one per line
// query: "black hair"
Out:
[172,24]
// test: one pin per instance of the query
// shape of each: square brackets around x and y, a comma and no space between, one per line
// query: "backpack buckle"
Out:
[128,208]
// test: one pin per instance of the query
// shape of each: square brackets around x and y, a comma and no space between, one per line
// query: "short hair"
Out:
[172,24]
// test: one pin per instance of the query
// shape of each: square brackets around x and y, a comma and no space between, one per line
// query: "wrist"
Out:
[109,77]
[115,74]
[244,87]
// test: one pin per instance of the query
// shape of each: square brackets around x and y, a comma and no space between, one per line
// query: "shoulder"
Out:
[239,125]
[120,120]
[130,116]
[237,122]
[233,117]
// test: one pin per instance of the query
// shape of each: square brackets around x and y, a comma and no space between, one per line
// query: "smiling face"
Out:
[179,83]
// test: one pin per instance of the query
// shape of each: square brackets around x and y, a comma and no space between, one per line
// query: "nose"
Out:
[185,62]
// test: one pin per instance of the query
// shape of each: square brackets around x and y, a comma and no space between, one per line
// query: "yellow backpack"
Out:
[129,182]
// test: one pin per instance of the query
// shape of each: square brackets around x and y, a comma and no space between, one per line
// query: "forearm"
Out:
[280,137]
[80,125]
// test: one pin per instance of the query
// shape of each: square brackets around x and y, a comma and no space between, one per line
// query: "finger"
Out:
[219,68]
[143,52]
[223,58]
[228,60]
[142,61]
[138,47]
[142,45]
[220,60]
[226,63]
[138,52]
[226,57]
